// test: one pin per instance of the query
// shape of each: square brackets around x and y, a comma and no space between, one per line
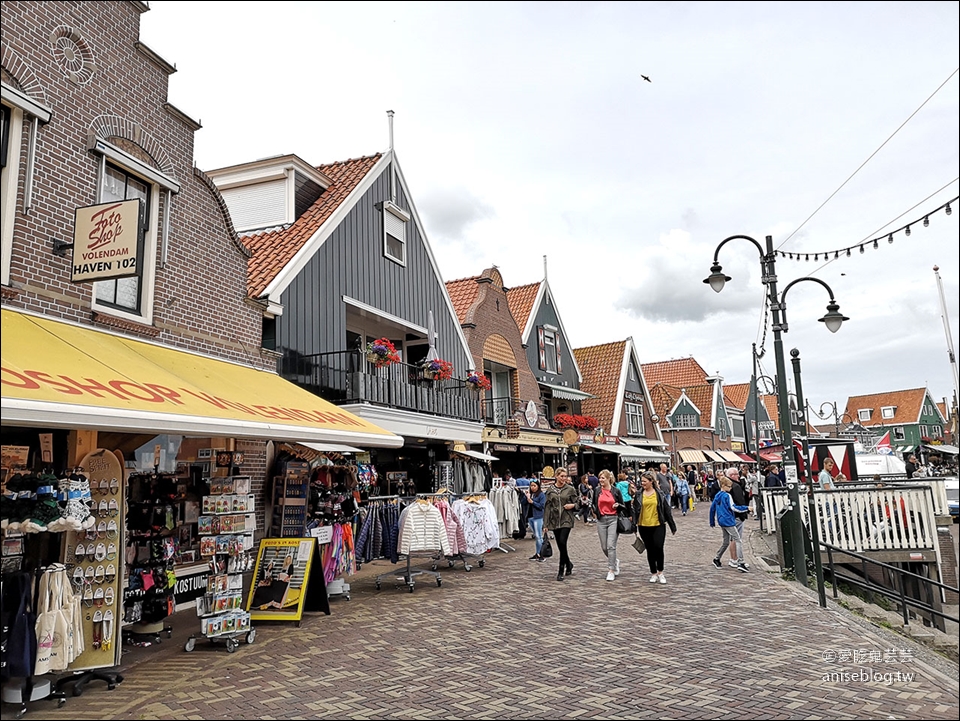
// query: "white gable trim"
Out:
[621,388]
[646,391]
[542,292]
[685,397]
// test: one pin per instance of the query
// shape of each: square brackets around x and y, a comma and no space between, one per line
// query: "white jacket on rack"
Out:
[479,522]
[422,529]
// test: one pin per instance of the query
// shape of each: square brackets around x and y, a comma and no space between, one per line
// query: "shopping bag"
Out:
[546,550]
[625,525]
[639,545]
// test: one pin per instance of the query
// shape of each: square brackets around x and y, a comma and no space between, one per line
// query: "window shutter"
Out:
[542,350]
[559,354]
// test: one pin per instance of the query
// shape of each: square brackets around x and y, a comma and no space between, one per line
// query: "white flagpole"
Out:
[946,329]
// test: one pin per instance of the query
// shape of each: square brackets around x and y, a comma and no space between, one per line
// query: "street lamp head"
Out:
[717,279]
[833,319]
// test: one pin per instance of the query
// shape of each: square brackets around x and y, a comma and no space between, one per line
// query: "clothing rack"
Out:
[407,575]
[445,493]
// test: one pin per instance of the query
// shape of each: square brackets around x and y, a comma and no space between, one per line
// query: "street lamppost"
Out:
[834,413]
[832,320]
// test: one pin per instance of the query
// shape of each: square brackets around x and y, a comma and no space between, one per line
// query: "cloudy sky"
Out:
[525,130]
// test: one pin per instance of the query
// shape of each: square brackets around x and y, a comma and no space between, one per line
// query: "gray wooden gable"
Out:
[351,263]
[546,314]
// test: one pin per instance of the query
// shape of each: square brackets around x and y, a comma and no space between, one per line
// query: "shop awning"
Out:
[770,456]
[692,457]
[567,394]
[478,455]
[56,374]
[943,448]
[714,457]
[746,459]
[331,447]
[729,456]
[628,451]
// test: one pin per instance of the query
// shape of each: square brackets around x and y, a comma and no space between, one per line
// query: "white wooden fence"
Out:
[898,516]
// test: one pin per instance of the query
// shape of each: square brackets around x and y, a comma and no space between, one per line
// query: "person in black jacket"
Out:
[652,515]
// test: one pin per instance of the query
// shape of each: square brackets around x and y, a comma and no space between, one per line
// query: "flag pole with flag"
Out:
[883,445]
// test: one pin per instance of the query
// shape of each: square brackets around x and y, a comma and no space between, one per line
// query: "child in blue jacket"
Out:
[721,511]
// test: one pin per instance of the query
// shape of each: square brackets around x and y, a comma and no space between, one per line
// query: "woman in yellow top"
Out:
[653,515]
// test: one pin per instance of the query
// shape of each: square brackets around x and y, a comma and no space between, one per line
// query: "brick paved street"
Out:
[508,641]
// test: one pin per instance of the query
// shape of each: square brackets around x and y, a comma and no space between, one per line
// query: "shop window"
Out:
[634,419]
[395,233]
[125,294]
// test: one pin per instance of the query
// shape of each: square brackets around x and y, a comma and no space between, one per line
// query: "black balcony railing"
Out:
[347,377]
[497,411]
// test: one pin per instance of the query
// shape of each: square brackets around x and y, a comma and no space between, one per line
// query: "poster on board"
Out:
[280,580]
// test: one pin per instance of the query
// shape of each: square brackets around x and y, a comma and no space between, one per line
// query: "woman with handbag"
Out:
[558,516]
[652,515]
[536,499]
[608,504]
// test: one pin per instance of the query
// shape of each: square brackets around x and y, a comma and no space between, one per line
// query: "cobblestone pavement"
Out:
[507,641]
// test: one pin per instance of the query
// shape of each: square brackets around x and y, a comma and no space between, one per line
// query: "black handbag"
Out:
[625,525]
[546,548]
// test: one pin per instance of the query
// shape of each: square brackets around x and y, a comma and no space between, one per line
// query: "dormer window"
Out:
[395,233]
[864,414]
[888,412]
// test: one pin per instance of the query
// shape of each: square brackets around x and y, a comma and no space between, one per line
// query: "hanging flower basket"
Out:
[381,353]
[437,369]
[477,381]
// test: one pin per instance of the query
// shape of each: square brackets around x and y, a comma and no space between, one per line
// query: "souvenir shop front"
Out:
[427,460]
[525,453]
[115,452]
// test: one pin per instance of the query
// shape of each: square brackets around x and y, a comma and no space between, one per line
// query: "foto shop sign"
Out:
[106,241]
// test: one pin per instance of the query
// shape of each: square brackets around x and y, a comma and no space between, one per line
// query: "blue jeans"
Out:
[536,526]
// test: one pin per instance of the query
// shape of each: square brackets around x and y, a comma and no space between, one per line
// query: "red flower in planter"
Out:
[479,381]
[381,352]
[439,369]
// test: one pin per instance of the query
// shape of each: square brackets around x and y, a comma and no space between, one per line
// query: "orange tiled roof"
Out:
[942,407]
[521,300]
[463,292]
[272,250]
[664,397]
[681,373]
[600,366]
[770,403]
[737,395]
[908,404]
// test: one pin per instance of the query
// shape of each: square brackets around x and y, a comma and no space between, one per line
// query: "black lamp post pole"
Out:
[811,504]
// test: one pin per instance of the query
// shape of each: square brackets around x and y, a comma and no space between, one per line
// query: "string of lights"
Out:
[875,242]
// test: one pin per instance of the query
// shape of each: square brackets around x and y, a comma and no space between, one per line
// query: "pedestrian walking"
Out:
[683,493]
[722,512]
[559,517]
[536,499]
[608,504]
[652,515]
[586,495]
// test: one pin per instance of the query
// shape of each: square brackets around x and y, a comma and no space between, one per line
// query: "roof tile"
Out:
[908,404]
[463,292]
[681,372]
[521,300]
[600,366]
[737,395]
[274,249]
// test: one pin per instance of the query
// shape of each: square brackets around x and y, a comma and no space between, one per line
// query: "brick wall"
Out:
[199,295]
[948,563]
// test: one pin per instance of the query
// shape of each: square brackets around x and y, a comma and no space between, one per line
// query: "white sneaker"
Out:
[663,579]
[653,578]
[611,575]
[616,571]
[733,564]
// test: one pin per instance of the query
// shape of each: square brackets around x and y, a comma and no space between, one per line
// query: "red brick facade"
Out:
[118,95]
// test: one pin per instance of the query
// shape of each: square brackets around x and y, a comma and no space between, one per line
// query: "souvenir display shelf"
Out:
[227,515]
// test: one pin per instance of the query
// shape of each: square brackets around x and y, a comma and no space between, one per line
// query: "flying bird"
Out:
[646,78]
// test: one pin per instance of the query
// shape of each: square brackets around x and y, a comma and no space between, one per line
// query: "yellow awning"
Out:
[55,374]
[694,456]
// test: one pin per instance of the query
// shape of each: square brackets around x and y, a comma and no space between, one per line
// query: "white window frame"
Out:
[743,426]
[863,414]
[9,181]
[395,218]
[550,349]
[936,430]
[888,412]
[899,434]
[685,420]
[924,430]
[634,413]
[148,259]
[723,429]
